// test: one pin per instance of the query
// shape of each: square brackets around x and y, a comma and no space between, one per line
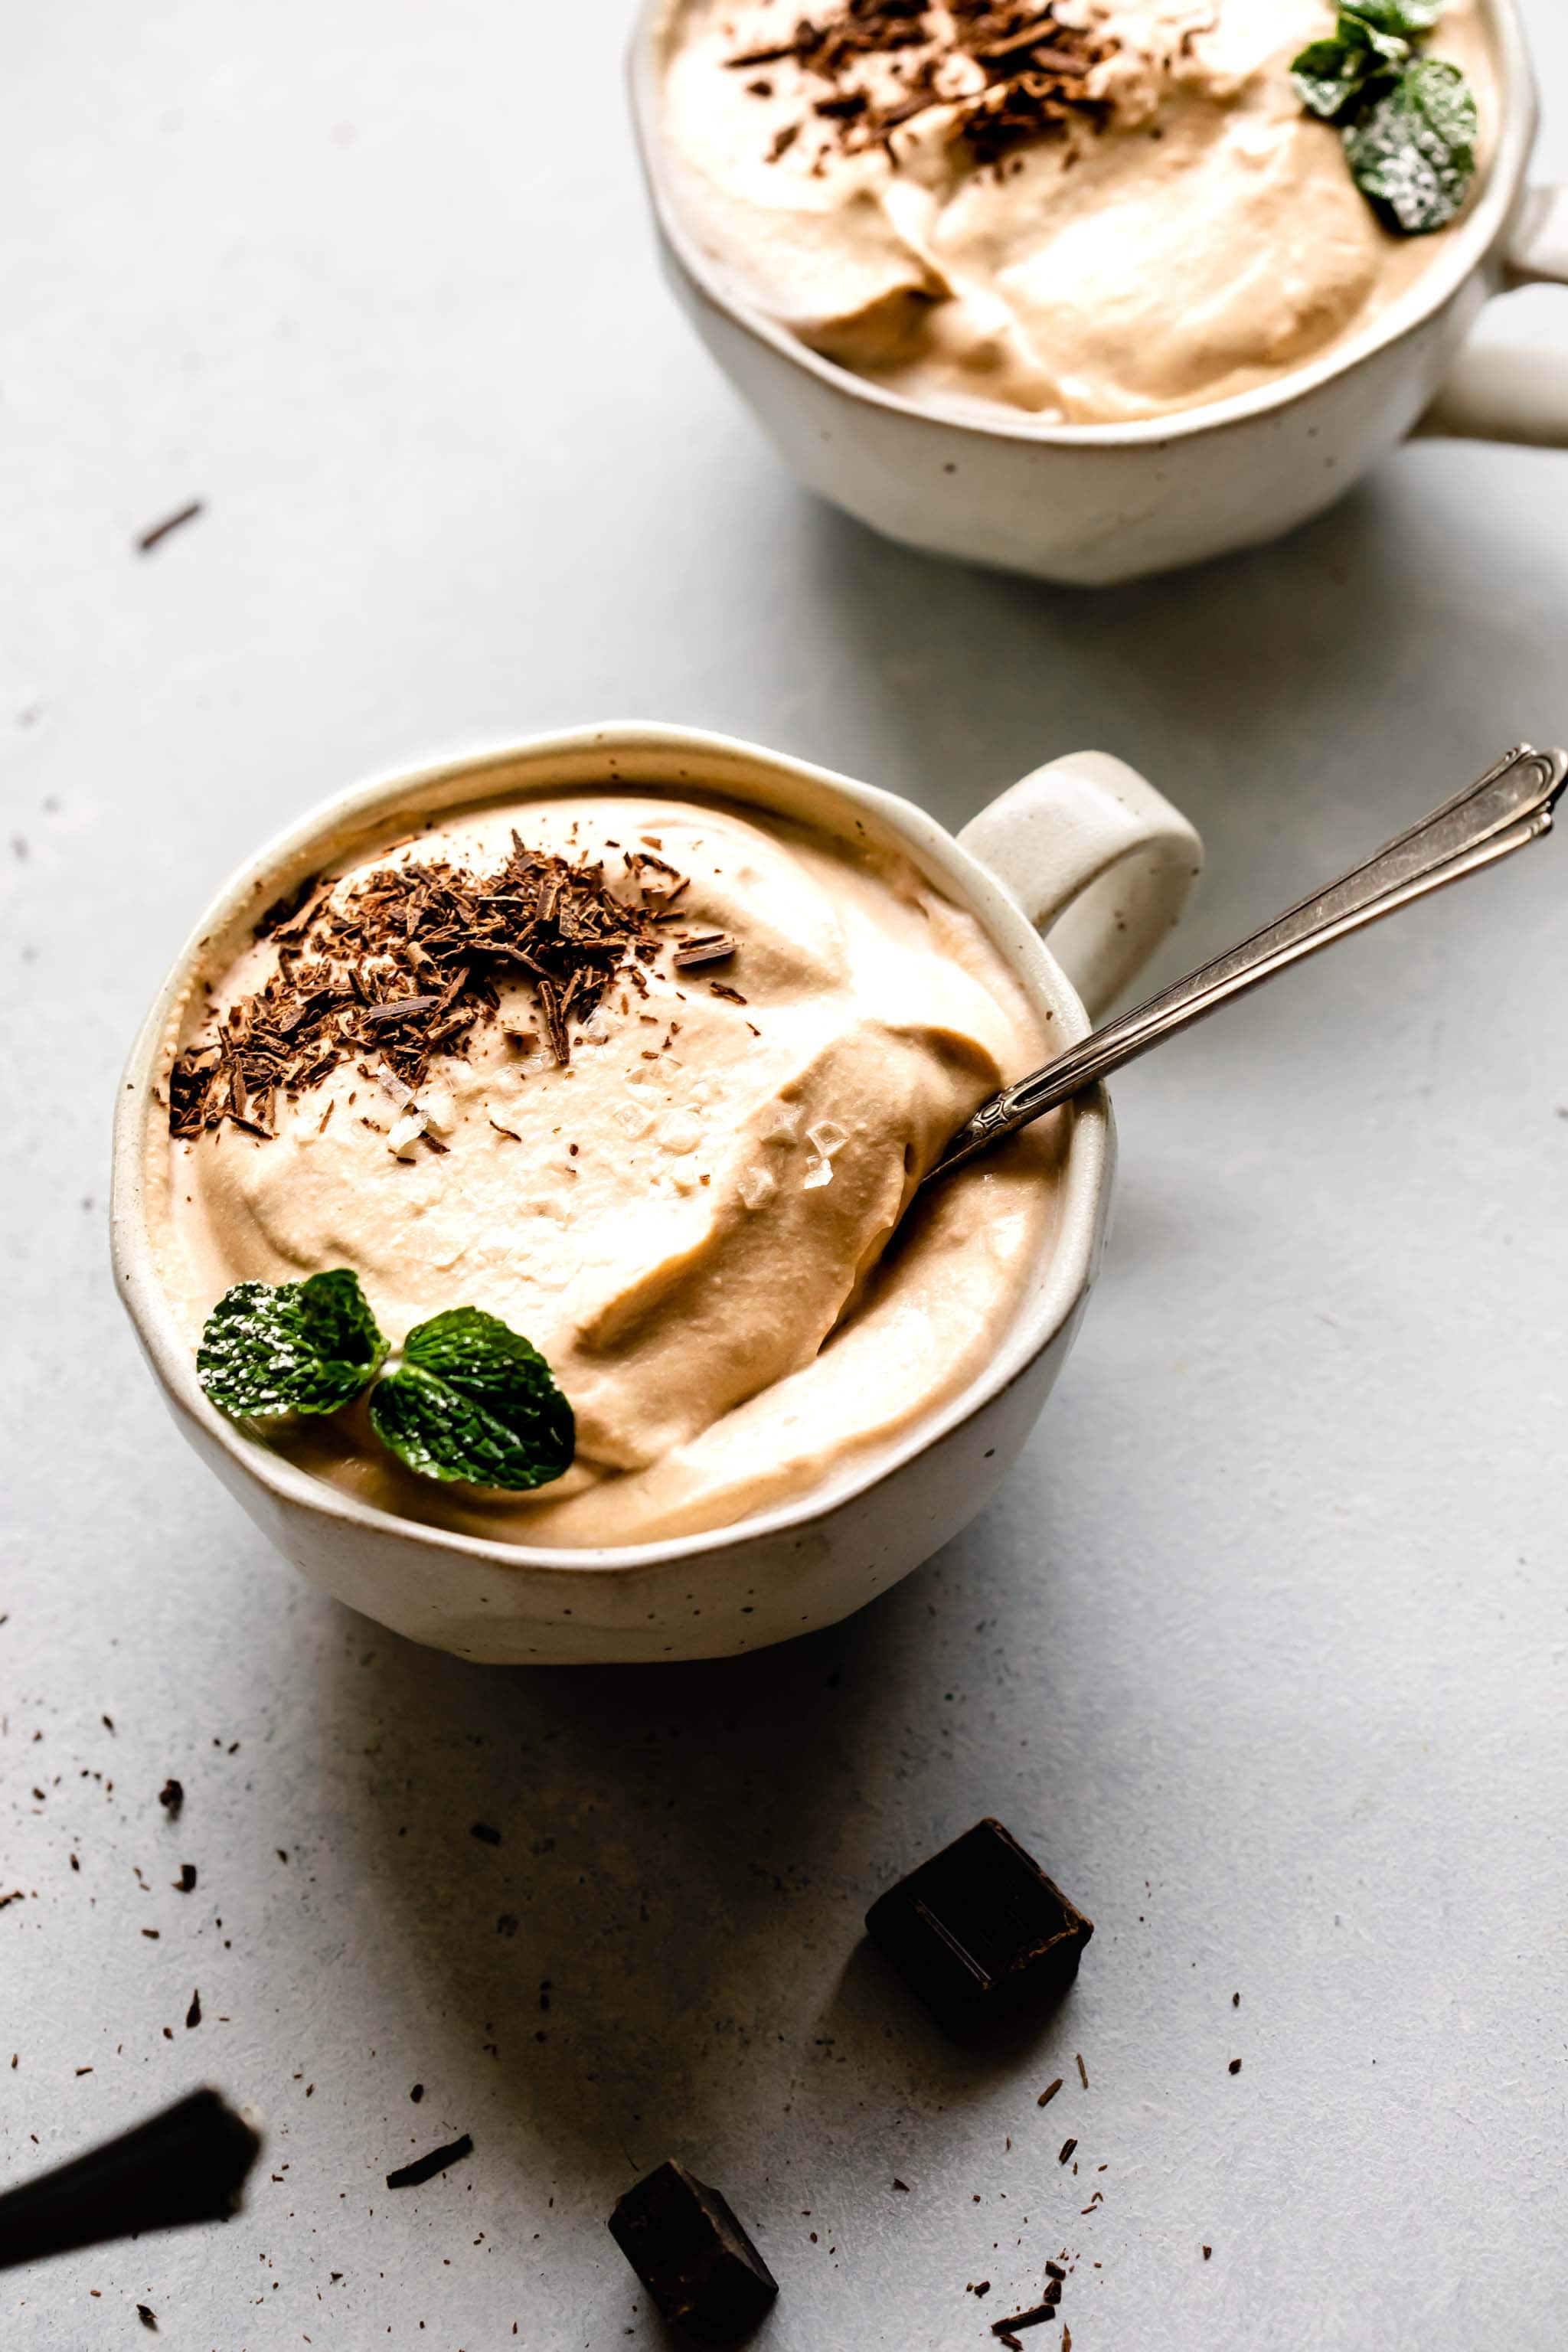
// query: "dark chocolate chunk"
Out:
[1235,2067]
[692,2255]
[185,2165]
[486,1832]
[979,1929]
[186,1882]
[425,2167]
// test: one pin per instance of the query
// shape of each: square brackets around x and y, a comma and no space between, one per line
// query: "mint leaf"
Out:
[1413,155]
[1334,76]
[473,1400]
[1412,20]
[1328,76]
[269,1348]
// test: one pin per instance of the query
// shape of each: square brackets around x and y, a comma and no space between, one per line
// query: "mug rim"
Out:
[1087,1165]
[1478,232]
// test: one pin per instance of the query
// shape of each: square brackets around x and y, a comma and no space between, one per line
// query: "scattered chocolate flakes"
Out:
[160,530]
[425,2168]
[1009,72]
[171,1797]
[1049,2093]
[412,957]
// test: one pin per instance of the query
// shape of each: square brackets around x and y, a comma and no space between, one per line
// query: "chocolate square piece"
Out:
[979,1930]
[692,2255]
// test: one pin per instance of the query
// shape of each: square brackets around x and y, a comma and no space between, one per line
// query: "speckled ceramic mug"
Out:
[1092,504]
[1082,848]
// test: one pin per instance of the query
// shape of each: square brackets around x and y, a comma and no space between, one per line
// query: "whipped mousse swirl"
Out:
[650,1079]
[1089,211]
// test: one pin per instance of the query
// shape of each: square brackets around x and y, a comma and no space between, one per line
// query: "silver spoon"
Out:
[1508,809]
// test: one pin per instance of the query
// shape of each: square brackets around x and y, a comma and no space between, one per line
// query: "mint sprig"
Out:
[472,1399]
[469,1399]
[272,1349]
[1413,155]
[1409,122]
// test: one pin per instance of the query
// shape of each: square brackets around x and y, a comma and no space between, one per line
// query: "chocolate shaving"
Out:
[415,957]
[425,2167]
[703,946]
[1038,2318]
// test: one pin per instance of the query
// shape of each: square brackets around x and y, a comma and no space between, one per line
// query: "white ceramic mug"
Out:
[1084,845]
[1091,504]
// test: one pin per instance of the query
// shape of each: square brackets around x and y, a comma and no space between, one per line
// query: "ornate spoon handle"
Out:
[1509,807]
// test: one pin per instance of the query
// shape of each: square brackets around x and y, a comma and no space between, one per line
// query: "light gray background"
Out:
[1264,1651]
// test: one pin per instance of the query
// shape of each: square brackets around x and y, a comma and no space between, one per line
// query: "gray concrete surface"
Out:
[1265,1649]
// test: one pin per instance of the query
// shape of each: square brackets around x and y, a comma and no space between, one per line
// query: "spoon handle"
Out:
[1511,806]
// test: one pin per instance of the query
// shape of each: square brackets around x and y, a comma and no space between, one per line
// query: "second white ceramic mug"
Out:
[1083,845]
[1092,504]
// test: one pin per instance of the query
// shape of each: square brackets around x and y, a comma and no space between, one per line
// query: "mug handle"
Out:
[1098,860]
[1497,390]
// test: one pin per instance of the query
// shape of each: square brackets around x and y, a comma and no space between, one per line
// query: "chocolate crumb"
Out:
[194,2014]
[1082,2071]
[903,2184]
[186,1881]
[485,1833]
[417,2092]
[171,1797]
[1235,2067]
[1207,2252]
[1067,2148]
[1049,2093]
[160,530]
[147,2316]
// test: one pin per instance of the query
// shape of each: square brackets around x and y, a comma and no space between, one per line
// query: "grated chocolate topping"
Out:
[404,965]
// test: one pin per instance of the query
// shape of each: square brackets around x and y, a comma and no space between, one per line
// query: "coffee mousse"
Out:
[1088,212]
[653,1079]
